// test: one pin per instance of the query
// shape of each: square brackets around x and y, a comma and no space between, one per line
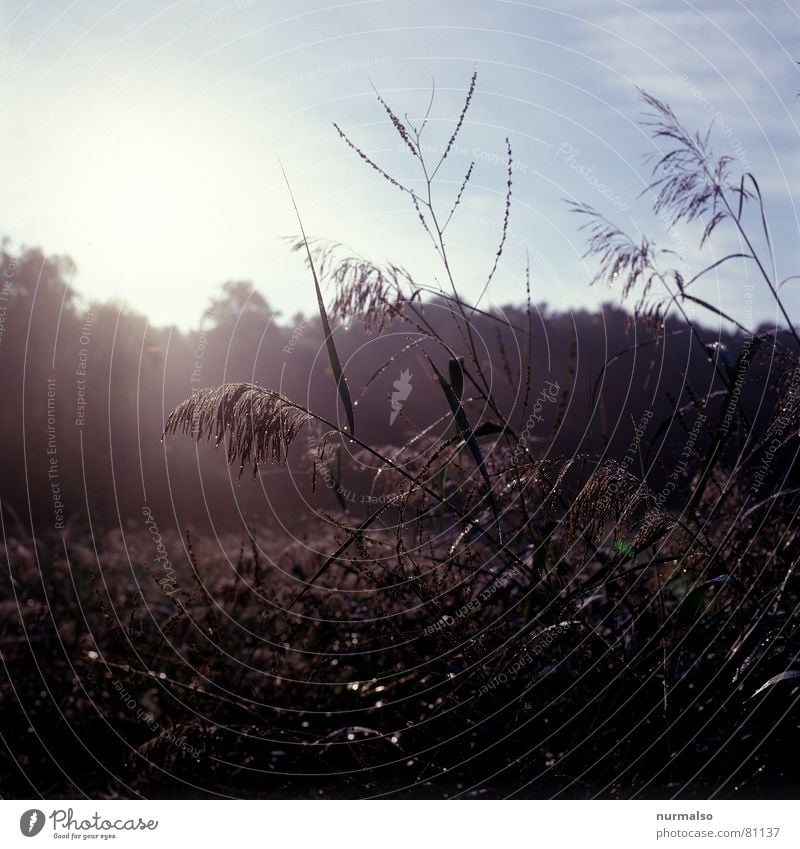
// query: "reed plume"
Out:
[260,424]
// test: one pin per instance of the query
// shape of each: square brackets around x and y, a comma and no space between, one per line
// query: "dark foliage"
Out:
[575,581]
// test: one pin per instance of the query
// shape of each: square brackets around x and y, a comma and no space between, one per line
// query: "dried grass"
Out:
[259,424]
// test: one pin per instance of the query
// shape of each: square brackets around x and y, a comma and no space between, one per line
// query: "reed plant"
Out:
[505,620]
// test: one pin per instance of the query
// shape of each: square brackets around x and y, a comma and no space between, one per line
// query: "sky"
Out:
[144,139]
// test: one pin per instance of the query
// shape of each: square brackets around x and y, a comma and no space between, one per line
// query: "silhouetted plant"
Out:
[566,617]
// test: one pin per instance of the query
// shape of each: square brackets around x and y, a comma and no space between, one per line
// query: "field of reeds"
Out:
[471,613]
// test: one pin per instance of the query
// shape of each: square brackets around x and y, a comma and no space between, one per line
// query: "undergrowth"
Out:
[498,621]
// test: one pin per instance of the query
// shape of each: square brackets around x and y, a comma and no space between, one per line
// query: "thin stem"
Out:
[751,249]
[502,547]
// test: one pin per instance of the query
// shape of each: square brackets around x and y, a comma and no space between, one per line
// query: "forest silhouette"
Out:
[116,377]
[412,546]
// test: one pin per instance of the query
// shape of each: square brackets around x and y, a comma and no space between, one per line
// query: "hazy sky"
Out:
[142,138]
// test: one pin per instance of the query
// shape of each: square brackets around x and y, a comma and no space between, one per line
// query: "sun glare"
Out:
[141,195]
[146,193]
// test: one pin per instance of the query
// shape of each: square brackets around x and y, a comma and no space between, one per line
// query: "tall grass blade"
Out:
[789,675]
[456,372]
[466,432]
[333,355]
